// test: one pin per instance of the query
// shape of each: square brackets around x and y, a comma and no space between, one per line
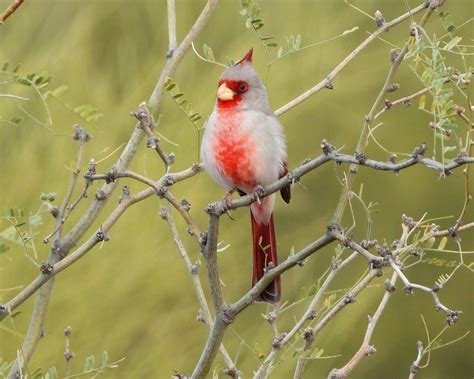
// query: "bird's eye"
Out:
[243,87]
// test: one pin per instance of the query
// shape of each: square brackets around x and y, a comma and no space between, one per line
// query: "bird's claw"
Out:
[227,203]
[259,192]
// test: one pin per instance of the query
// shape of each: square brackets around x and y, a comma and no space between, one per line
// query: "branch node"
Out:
[232,372]
[308,334]
[384,251]
[368,244]
[225,314]
[194,269]
[394,53]
[360,157]
[200,316]
[379,19]
[196,167]
[270,317]
[349,298]
[434,4]
[419,151]
[453,233]
[388,104]
[46,268]
[393,87]
[169,180]
[408,290]
[214,209]
[152,142]
[276,344]
[203,240]
[170,158]
[177,375]
[329,84]
[327,147]
[311,316]
[80,134]
[161,191]
[335,227]
[408,221]
[452,316]
[125,194]
[164,212]
[389,287]
[437,287]
[370,350]
[335,263]
[186,205]
[101,235]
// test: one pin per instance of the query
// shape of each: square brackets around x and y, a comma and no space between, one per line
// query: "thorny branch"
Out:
[367,349]
[204,314]
[66,243]
[225,313]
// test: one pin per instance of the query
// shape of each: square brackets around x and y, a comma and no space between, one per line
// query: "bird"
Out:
[243,149]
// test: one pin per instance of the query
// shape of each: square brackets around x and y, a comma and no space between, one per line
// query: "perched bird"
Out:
[242,148]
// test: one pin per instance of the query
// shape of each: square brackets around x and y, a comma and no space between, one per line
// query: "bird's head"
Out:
[240,87]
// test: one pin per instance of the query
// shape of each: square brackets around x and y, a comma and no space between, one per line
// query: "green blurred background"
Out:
[133,296]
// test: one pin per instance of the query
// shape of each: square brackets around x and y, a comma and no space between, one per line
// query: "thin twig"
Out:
[366,348]
[347,299]
[10,10]
[56,268]
[309,314]
[451,316]
[327,82]
[170,6]
[416,363]
[194,272]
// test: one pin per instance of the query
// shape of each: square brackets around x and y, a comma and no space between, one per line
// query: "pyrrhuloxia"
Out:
[243,147]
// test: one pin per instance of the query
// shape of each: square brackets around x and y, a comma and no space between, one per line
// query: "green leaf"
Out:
[16,120]
[3,248]
[5,66]
[89,363]
[105,358]
[442,243]
[280,52]
[17,68]
[422,102]
[58,91]
[451,44]
[272,44]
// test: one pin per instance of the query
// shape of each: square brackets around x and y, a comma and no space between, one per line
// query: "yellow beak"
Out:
[225,93]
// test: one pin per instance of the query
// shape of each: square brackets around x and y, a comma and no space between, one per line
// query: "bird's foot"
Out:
[227,203]
[259,192]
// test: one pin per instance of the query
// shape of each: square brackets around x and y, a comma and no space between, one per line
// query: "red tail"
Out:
[264,252]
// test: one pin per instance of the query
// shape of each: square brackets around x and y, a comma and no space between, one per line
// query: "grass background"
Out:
[133,296]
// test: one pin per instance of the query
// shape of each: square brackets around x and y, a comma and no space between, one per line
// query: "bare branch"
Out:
[329,78]
[330,154]
[170,6]
[451,316]
[366,348]
[313,332]
[146,123]
[194,271]
[309,314]
[396,59]
[416,364]
[91,242]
